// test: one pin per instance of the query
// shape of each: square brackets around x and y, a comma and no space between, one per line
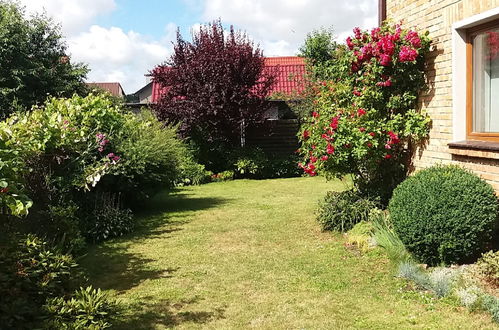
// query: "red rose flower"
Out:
[330,148]
[372,134]
[325,157]
[361,112]
[306,134]
[362,129]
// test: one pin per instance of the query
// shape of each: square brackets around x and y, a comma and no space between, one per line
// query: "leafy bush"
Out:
[68,152]
[89,308]
[153,158]
[444,214]
[340,211]
[31,272]
[109,219]
[488,266]
[365,118]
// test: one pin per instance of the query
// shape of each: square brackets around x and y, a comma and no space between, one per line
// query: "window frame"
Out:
[470,33]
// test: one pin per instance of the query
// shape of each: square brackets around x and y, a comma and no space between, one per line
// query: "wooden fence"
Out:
[274,136]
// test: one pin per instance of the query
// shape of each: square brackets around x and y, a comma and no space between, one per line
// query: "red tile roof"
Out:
[290,74]
[112,87]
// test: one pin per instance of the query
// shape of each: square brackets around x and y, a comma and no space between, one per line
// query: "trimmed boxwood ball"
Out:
[444,214]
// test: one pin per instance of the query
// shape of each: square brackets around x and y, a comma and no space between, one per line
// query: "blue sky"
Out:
[150,18]
[121,40]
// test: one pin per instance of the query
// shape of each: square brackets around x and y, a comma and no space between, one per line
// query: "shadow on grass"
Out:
[166,313]
[111,266]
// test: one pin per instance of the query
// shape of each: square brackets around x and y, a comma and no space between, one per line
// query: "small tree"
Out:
[319,51]
[214,86]
[33,61]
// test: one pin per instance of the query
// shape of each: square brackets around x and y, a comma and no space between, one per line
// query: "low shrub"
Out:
[411,271]
[88,308]
[444,214]
[30,273]
[254,163]
[340,211]
[442,280]
[360,236]
[491,305]
[223,176]
[488,266]
[109,219]
[470,297]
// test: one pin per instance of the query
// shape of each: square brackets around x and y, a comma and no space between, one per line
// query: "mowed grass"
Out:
[249,254]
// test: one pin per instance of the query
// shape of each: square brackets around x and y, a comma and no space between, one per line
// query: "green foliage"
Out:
[364,119]
[360,235]
[385,237]
[153,158]
[319,52]
[71,152]
[60,224]
[35,63]
[442,280]
[223,176]
[109,218]
[254,163]
[340,211]
[488,266]
[31,272]
[62,135]
[11,185]
[89,308]
[491,304]
[444,214]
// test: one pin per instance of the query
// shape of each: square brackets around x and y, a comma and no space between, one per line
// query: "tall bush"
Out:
[365,119]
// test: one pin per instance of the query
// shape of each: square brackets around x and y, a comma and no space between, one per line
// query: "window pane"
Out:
[486,82]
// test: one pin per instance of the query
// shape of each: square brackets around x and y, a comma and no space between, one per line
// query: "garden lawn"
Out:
[249,254]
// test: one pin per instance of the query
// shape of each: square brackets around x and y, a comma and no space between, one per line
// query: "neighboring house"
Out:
[112,87]
[463,74]
[289,83]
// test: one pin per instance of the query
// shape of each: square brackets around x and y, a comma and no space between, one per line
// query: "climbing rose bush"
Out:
[365,120]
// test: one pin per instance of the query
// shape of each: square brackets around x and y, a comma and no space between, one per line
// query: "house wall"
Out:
[438,17]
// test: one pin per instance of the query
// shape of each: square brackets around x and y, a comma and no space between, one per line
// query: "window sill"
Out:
[470,148]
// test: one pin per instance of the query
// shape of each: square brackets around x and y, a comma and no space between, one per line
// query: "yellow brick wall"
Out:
[437,17]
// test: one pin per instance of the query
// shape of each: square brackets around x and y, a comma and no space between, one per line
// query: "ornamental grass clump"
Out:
[340,211]
[365,118]
[444,214]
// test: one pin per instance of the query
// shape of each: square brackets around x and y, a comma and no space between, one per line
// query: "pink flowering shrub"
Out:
[365,118]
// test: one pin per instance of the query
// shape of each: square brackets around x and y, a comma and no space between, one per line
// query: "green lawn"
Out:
[249,254]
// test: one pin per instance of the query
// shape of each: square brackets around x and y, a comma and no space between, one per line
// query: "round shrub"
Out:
[444,214]
[340,211]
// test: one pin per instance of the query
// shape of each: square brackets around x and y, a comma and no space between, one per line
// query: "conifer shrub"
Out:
[444,214]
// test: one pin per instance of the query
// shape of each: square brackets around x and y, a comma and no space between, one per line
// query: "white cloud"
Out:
[111,53]
[74,15]
[114,55]
[280,26]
